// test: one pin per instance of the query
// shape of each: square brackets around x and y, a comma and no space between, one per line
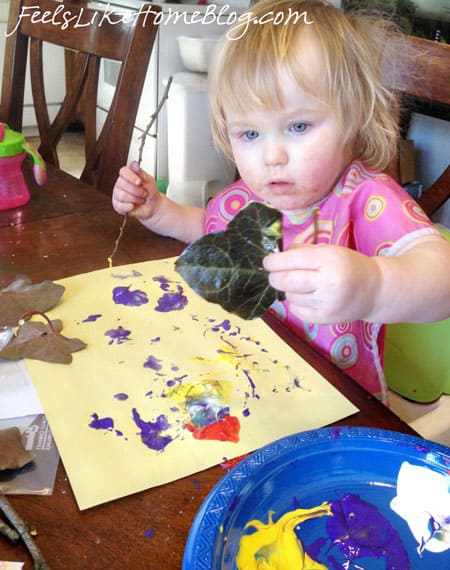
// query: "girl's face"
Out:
[290,157]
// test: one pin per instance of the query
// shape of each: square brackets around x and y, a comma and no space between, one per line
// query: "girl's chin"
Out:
[288,203]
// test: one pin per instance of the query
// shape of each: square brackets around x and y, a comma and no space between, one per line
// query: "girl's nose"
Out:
[275,154]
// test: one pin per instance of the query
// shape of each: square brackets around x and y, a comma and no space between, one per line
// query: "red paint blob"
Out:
[226,429]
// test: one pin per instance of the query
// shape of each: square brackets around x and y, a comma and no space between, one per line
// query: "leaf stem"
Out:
[30,314]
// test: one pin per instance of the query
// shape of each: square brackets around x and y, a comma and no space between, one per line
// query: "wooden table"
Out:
[66,229]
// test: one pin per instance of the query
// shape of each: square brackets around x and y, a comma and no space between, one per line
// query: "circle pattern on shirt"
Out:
[311,330]
[210,224]
[368,336]
[341,328]
[414,211]
[233,202]
[375,206]
[344,351]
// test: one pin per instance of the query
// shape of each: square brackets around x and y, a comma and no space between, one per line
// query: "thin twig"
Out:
[9,532]
[153,118]
[142,138]
[119,237]
[39,562]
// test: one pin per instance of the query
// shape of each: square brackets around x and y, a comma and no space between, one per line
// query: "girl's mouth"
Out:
[280,187]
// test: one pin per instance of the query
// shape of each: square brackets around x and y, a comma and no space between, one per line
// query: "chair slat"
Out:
[128,41]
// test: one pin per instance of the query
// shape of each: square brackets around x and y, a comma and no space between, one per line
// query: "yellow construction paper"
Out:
[148,367]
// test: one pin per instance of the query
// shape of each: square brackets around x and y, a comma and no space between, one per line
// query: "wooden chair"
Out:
[127,41]
[420,72]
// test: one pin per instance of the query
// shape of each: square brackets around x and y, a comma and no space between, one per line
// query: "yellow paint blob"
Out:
[275,546]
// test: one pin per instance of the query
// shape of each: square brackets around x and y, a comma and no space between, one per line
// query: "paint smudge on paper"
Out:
[128,297]
[134,273]
[121,396]
[173,299]
[91,318]
[118,335]
[208,413]
[153,363]
[106,424]
[226,429]
[152,432]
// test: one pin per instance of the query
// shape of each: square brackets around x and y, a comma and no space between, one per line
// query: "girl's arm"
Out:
[332,284]
[169,218]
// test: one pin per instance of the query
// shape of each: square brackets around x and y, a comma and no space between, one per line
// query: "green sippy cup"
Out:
[13,189]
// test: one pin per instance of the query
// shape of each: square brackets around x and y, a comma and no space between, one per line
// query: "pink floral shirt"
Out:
[368,212]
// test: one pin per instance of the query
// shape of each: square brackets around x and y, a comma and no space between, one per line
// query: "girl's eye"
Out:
[251,135]
[298,127]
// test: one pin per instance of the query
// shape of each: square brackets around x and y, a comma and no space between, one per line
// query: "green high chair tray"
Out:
[417,357]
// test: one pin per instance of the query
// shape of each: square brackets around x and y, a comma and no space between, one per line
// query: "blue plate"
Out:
[304,470]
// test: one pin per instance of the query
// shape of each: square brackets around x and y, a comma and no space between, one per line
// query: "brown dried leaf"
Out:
[41,341]
[13,455]
[21,296]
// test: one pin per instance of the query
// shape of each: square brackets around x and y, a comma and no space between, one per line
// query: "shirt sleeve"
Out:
[385,218]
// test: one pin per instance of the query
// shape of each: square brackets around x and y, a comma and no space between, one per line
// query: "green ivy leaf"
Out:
[226,267]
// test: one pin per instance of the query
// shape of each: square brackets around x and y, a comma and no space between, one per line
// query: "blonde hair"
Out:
[245,72]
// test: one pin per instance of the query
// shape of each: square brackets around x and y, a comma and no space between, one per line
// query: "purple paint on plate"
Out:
[153,363]
[101,423]
[121,396]
[91,319]
[118,335]
[151,432]
[360,531]
[125,296]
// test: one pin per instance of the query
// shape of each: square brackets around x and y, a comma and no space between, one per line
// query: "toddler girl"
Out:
[298,103]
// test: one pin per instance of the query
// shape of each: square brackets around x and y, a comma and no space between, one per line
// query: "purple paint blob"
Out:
[134,273]
[101,423]
[360,531]
[153,363]
[118,335]
[125,296]
[164,283]
[151,432]
[246,412]
[171,302]
[121,396]
[224,325]
[252,384]
[148,533]
[91,319]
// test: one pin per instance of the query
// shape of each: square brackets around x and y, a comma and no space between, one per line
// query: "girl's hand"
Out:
[326,284]
[135,192]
